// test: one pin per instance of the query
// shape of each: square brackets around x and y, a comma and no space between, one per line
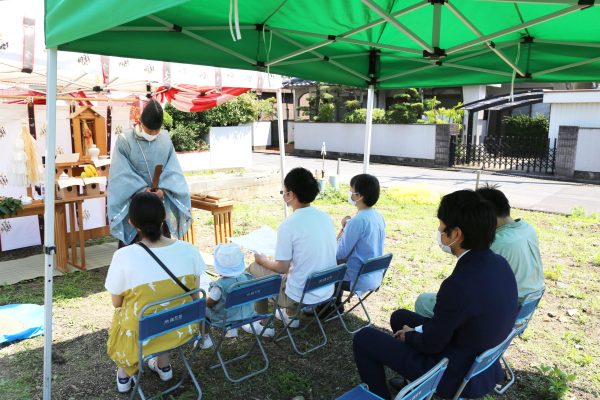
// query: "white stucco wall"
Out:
[261,133]
[410,141]
[573,114]
[230,146]
[573,108]
[588,147]
[194,161]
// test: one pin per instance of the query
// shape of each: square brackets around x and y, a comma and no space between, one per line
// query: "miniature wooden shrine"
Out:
[89,128]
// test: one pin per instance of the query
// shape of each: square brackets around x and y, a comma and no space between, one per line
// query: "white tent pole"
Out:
[412,71]
[563,67]
[477,32]
[437,24]
[563,43]
[395,23]
[49,249]
[369,128]
[281,144]
[332,62]
[507,31]
[469,68]
[203,40]
[297,53]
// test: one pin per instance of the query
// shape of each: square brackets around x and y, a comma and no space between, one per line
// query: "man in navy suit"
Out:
[475,309]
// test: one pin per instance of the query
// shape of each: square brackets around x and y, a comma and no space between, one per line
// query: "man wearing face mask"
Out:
[137,151]
[475,310]
[516,241]
[305,245]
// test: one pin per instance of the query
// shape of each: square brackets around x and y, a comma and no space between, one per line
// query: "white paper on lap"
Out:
[261,241]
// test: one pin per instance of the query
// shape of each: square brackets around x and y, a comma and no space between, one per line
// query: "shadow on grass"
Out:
[68,286]
[82,370]
[534,385]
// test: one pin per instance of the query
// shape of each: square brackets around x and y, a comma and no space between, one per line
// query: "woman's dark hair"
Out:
[367,186]
[152,115]
[147,214]
[474,215]
[498,200]
[303,184]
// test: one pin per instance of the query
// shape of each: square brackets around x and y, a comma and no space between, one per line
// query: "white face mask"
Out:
[352,202]
[139,132]
[445,247]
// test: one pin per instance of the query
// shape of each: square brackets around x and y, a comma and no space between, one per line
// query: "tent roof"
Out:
[386,42]
[80,71]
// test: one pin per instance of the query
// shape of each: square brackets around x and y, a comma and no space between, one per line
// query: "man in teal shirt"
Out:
[516,241]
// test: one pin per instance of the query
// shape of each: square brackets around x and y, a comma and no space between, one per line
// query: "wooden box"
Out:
[102,167]
[67,169]
[94,186]
[68,188]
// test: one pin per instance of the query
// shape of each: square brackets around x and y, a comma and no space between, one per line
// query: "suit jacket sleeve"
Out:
[450,312]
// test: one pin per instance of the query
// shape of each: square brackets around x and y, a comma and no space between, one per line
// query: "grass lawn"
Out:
[564,331]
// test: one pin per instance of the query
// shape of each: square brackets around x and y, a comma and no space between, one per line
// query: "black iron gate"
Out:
[509,153]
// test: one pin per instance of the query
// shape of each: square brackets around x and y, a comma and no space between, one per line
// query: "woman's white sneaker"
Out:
[232,333]
[283,317]
[258,327]
[123,384]
[165,373]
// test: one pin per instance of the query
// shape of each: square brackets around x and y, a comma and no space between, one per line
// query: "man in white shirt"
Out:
[305,244]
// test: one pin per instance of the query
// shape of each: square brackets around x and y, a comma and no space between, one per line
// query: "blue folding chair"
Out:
[318,280]
[370,266]
[484,361]
[240,294]
[422,388]
[526,310]
[154,324]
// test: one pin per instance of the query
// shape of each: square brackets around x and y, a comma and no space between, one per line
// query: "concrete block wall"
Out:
[442,143]
[566,150]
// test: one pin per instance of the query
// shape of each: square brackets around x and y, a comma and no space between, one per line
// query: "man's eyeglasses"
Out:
[281,192]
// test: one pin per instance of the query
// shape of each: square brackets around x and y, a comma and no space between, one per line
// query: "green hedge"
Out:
[189,130]
[525,125]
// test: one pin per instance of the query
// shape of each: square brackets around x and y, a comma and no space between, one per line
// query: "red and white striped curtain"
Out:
[190,98]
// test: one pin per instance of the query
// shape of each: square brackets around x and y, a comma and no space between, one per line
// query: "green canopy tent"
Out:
[364,43]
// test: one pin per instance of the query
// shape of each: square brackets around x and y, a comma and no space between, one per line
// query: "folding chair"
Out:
[526,310]
[370,266]
[484,361]
[155,324]
[240,294]
[316,281]
[422,388]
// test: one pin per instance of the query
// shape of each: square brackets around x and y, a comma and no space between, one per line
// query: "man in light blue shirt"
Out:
[362,236]
[516,241]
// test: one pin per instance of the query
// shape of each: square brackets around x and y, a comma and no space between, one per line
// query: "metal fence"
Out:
[509,153]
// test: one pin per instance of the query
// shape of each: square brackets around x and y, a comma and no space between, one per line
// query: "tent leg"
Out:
[369,128]
[49,217]
[281,144]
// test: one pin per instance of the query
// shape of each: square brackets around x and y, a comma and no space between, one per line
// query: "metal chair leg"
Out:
[501,389]
[340,316]
[290,335]
[223,363]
